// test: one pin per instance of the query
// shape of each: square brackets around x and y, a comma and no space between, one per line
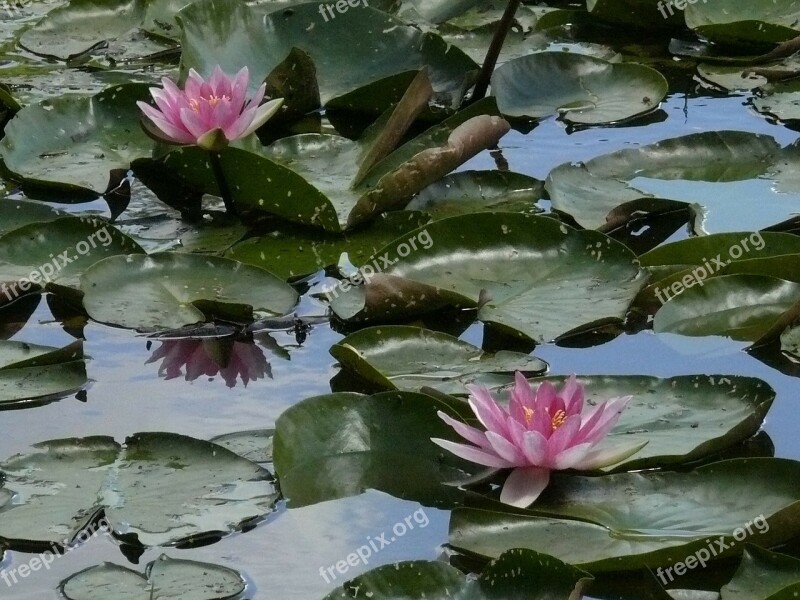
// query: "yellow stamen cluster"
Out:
[212,101]
[528,415]
[558,419]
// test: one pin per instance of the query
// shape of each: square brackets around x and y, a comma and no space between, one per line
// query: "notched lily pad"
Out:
[71,144]
[32,374]
[408,358]
[515,575]
[158,489]
[583,89]
[340,445]
[529,275]
[170,290]
[164,579]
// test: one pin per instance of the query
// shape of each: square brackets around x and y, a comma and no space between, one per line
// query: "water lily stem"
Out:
[482,85]
[222,183]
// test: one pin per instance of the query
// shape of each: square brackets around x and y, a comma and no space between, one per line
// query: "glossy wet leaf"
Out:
[71,144]
[170,290]
[165,579]
[479,191]
[59,250]
[643,14]
[515,575]
[582,89]
[294,251]
[683,419]
[542,278]
[715,156]
[781,100]
[83,25]
[32,374]
[742,307]
[732,22]
[342,444]
[310,178]
[18,213]
[255,445]
[159,489]
[388,50]
[650,519]
[408,358]
[764,575]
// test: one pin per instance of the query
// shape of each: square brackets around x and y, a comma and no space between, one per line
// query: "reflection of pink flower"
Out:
[209,114]
[200,358]
[540,432]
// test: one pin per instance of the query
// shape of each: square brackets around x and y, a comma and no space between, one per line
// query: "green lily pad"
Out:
[539,278]
[583,89]
[342,444]
[681,265]
[58,251]
[77,28]
[170,290]
[408,358]
[683,419]
[253,445]
[733,22]
[165,578]
[295,251]
[295,177]
[159,489]
[32,374]
[71,144]
[781,100]
[764,575]
[742,307]
[479,191]
[17,213]
[360,47]
[652,519]
[515,575]
[645,14]
[588,191]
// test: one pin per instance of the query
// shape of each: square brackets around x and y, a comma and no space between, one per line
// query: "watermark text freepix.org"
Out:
[714,549]
[375,545]
[380,264]
[709,267]
[44,273]
[341,7]
[667,8]
[45,559]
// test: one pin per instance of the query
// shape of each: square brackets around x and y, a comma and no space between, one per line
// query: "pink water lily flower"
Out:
[209,114]
[540,432]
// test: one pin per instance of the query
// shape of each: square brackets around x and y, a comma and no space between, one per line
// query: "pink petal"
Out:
[219,82]
[239,89]
[170,131]
[590,420]
[606,423]
[263,114]
[473,454]
[572,392]
[598,459]
[471,434]
[524,486]
[194,123]
[534,446]
[489,413]
[505,449]
[563,437]
[522,397]
[194,84]
[516,431]
[567,459]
